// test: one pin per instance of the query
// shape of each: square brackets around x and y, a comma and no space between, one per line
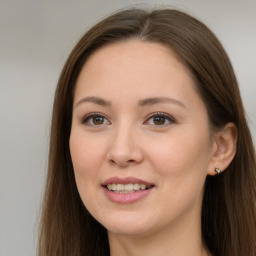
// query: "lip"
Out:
[126,198]
[126,180]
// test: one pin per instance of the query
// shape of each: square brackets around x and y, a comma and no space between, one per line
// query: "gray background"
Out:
[35,39]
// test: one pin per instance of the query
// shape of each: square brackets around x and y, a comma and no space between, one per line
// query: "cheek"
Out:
[182,161]
[182,151]
[86,157]
[85,154]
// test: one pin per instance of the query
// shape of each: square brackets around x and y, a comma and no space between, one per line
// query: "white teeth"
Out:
[119,187]
[142,186]
[126,188]
[136,186]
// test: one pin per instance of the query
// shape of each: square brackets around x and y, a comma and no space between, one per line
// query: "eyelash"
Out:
[167,117]
[87,118]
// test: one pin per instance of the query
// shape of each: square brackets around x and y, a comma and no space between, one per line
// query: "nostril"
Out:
[122,163]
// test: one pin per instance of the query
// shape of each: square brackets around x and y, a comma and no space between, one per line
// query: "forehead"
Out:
[125,52]
[134,66]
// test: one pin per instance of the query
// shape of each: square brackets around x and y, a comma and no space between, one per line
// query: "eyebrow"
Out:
[142,103]
[95,100]
[156,100]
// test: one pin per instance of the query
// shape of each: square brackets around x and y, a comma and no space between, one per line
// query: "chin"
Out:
[128,226]
[128,230]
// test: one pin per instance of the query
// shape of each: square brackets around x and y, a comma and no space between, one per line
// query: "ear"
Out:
[224,148]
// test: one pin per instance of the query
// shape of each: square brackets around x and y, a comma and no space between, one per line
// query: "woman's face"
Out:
[140,140]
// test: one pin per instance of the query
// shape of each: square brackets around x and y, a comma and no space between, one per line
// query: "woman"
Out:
[150,151]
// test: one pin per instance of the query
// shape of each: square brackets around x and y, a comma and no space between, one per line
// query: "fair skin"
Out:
[137,115]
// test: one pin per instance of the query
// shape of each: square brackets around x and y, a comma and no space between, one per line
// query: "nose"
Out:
[125,148]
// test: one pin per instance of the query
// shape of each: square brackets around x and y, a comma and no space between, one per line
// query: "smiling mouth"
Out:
[127,188]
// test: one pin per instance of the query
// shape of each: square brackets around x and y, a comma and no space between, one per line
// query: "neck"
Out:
[173,241]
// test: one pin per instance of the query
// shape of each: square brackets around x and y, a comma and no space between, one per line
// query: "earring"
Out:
[218,171]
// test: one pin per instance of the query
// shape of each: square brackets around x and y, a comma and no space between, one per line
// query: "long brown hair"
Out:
[229,204]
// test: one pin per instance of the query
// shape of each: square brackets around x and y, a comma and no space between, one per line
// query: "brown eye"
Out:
[98,120]
[159,120]
[95,119]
